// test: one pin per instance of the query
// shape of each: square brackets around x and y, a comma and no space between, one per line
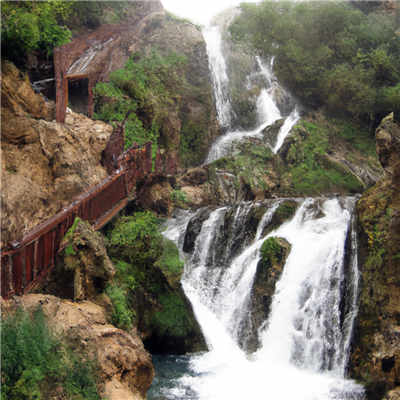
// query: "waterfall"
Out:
[268,111]
[305,341]
[213,39]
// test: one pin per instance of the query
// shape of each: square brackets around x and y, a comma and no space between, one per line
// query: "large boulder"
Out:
[126,370]
[83,268]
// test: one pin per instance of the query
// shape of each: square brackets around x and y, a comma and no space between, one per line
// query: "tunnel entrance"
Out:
[78,95]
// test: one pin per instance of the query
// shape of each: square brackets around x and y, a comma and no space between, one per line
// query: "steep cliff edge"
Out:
[44,164]
[376,354]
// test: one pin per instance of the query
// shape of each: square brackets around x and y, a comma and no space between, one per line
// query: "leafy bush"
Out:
[123,314]
[270,250]
[326,52]
[173,320]
[147,86]
[169,262]
[43,25]
[31,25]
[34,361]
[135,239]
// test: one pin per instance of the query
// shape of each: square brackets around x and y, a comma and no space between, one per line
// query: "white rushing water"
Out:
[267,109]
[213,39]
[305,342]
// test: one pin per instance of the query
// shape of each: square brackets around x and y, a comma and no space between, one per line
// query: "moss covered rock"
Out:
[274,253]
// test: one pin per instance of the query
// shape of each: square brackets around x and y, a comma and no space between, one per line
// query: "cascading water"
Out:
[213,39]
[267,109]
[305,341]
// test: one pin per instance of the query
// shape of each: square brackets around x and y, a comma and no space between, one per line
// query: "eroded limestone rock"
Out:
[84,267]
[44,165]
[125,366]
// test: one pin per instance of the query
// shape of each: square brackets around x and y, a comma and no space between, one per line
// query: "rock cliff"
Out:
[376,352]
[44,164]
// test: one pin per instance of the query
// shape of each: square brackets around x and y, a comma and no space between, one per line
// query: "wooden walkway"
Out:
[24,264]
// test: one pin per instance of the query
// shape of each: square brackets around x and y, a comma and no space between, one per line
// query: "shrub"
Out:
[31,25]
[169,262]
[136,239]
[270,250]
[122,315]
[173,320]
[34,360]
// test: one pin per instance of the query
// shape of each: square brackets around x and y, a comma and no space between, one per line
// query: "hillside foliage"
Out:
[43,25]
[328,53]
[147,86]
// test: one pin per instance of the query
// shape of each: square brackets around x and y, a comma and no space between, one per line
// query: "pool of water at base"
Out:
[167,383]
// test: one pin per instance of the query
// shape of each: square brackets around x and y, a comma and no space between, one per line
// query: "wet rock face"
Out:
[387,138]
[125,366]
[270,133]
[267,275]
[44,164]
[194,228]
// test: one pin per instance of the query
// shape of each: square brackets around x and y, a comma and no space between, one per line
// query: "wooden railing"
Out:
[26,263]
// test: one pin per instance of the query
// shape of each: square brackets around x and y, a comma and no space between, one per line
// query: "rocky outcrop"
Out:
[126,370]
[376,351]
[83,268]
[318,157]
[270,133]
[44,165]
[18,100]
[194,228]
[155,194]
[267,275]
[387,138]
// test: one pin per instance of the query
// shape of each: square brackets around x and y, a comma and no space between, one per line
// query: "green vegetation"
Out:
[270,250]
[327,53]
[169,262]
[147,86]
[310,169]
[179,199]
[250,166]
[173,320]
[31,25]
[35,362]
[71,248]
[43,25]
[135,239]
[146,262]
